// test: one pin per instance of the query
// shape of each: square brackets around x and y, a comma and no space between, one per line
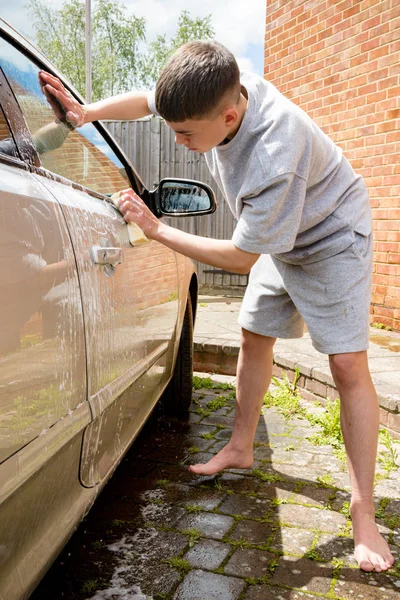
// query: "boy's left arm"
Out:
[222,254]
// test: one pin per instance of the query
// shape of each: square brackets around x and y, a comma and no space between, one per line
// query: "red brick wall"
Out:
[340,61]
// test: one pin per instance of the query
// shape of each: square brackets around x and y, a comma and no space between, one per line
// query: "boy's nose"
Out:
[179,138]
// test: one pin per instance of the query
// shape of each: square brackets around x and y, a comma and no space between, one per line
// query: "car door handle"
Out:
[107,256]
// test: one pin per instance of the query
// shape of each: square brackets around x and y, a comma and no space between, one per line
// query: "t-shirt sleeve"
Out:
[151,101]
[270,219]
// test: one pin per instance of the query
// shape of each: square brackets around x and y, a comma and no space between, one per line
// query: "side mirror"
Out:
[184,198]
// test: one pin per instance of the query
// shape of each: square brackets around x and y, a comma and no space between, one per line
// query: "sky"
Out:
[238,25]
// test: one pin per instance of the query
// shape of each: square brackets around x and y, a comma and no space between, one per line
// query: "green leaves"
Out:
[122,60]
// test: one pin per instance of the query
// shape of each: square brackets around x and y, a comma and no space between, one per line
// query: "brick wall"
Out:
[340,61]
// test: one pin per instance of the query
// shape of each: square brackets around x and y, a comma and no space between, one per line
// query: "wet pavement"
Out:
[278,531]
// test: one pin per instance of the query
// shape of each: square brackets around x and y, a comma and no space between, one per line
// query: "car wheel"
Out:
[177,397]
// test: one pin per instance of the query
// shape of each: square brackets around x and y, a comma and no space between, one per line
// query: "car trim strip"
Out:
[106,396]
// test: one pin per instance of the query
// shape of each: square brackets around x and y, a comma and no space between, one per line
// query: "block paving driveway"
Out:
[279,531]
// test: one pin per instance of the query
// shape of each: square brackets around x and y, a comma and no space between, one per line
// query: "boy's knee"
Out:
[252,340]
[348,368]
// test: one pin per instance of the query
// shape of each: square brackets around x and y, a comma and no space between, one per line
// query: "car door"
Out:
[129,294]
[43,391]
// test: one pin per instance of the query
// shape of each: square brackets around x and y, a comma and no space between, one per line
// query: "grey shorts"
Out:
[332,296]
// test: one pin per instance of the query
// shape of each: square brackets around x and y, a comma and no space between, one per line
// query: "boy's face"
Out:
[201,135]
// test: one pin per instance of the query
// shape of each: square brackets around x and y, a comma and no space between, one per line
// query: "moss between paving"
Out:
[279,531]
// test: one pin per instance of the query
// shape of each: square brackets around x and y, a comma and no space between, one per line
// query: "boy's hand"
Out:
[134,209]
[64,105]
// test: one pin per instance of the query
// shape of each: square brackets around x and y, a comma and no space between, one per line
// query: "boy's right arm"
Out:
[124,107]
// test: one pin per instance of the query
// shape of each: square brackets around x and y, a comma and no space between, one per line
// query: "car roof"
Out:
[34,51]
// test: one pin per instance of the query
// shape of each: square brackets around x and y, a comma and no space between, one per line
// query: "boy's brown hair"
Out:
[197,80]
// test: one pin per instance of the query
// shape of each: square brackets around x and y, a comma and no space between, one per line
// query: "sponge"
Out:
[136,235]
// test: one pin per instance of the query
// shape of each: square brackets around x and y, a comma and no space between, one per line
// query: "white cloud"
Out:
[239,26]
[236,25]
[245,63]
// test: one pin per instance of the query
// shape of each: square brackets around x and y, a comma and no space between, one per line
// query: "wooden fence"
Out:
[150,145]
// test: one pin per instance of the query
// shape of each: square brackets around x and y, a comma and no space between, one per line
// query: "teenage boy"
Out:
[303,232]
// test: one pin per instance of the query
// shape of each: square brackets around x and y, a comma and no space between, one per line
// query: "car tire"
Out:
[177,397]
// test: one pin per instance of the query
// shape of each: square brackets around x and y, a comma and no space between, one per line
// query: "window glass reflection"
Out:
[82,155]
[183,197]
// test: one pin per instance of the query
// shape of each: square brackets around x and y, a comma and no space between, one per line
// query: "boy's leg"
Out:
[360,424]
[254,372]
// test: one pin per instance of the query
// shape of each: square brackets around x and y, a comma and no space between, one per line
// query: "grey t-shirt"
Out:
[289,186]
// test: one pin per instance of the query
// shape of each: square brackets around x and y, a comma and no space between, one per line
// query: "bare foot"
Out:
[227,458]
[371,550]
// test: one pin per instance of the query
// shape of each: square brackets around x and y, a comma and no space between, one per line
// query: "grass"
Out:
[207,383]
[181,564]
[193,508]
[90,586]
[285,397]
[194,535]
[388,459]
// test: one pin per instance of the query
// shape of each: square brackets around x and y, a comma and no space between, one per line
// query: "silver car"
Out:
[93,330]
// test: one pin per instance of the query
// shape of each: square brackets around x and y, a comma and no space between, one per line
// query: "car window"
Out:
[7,145]
[82,155]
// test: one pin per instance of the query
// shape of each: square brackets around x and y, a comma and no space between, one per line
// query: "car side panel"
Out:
[42,354]
[43,400]
[130,313]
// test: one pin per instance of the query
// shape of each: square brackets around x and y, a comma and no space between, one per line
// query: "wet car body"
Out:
[91,327]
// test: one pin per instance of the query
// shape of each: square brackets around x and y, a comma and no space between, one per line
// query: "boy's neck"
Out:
[242,107]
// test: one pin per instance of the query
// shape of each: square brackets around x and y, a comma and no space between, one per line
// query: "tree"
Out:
[60,34]
[161,49]
[121,58]
[116,56]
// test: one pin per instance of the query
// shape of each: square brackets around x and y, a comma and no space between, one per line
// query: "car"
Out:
[94,330]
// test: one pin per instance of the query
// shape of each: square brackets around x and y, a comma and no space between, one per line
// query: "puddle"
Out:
[385,341]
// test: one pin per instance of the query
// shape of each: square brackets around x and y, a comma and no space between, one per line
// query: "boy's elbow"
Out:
[243,270]
[243,267]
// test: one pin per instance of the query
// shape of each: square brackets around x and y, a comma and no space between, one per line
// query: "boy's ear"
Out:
[231,116]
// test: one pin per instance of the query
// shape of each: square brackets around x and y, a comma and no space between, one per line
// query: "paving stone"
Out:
[280,490]
[199,429]
[145,550]
[307,446]
[207,499]
[214,419]
[207,554]
[239,483]
[311,518]
[252,532]
[198,457]
[246,506]
[194,417]
[313,495]
[249,562]
[291,540]
[353,583]
[388,488]
[200,585]
[302,573]
[341,498]
[263,453]
[292,457]
[273,428]
[327,463]
[302,432]
[277,441]
[174,473]
[330,546]
[161,514]
[210,525]
[266,592]
[300,474]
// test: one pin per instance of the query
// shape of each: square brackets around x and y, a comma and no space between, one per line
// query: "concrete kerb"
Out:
[216,354]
